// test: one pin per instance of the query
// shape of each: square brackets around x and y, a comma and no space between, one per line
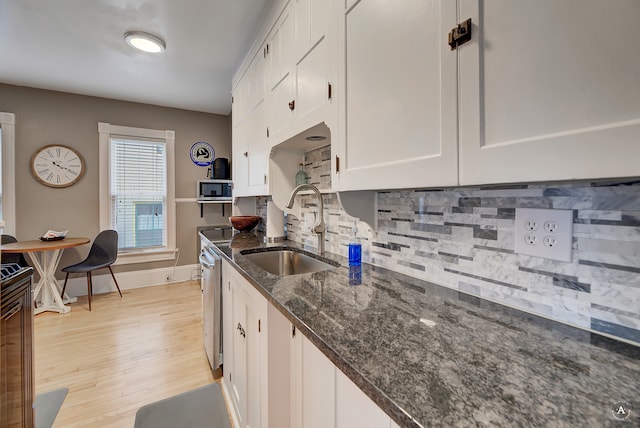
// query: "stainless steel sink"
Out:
[286,262]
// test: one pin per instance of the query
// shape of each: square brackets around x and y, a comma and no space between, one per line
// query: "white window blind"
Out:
[138,191]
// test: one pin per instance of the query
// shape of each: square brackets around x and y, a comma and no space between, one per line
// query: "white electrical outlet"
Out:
[544,233]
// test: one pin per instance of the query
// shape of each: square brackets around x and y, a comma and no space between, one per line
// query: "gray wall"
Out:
[47,117]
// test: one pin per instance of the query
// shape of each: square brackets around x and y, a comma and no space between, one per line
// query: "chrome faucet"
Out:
[319,226]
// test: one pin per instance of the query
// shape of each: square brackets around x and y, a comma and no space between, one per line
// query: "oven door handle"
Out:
[17,306]
[206,262]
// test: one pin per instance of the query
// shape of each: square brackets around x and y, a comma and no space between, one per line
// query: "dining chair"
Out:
[102,254]
[12,257]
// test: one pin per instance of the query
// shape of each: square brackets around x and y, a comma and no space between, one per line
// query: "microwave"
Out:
[214,189]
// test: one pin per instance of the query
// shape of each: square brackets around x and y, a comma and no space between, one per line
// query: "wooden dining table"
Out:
[45,257]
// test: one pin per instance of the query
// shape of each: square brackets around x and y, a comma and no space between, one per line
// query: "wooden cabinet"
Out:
[245,350]
[399,96]
[16,352]
[549,91]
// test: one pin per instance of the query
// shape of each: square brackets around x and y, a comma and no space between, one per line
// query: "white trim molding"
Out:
[105,131]
[103,283]
[8,125]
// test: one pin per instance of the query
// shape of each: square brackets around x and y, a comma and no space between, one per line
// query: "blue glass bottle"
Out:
[355,248]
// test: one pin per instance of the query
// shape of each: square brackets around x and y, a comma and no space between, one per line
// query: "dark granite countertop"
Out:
[433,356]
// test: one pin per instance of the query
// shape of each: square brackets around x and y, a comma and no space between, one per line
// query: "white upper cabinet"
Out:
[301,89]
[313,90]
[399,124]
[240,152]
[250,143]
[281,103]
[543,91]
[313,59]
[279,48]
[280,54]
[258,156]
[311,23]
[549,90]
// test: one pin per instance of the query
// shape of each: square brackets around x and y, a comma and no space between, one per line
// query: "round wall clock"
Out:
[56,165]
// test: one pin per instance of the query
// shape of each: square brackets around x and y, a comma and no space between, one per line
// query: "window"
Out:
[7,177]
[137,191]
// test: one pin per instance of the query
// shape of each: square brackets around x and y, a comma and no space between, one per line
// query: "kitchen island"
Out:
[432,356]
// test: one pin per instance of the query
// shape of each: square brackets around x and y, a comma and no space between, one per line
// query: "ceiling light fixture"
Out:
[145,42]
[316,138]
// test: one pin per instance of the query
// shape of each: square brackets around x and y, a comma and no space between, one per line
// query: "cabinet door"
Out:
[258,156]
[312,386]
[258,77]
[280,48]
[312,81]
[240,102]
[354,408]
[245,364]
[280,114]
[400,96]
[549,90]
[240,149]
[279,369]
[311,22]
[238,377]
[256,357]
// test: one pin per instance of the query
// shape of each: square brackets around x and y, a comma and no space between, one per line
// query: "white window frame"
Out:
[8,124]
[105,131]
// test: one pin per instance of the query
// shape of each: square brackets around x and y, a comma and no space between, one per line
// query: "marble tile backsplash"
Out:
[463,238]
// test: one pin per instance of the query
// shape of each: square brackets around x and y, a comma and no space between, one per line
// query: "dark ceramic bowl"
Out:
[244,222]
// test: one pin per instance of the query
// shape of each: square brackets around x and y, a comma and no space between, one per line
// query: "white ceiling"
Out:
[78,46]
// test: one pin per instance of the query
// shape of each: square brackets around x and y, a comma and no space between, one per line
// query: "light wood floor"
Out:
[124,354]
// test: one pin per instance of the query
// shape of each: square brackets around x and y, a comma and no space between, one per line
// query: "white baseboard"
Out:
[103,283]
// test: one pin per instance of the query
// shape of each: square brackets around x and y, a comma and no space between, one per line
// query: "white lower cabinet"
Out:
[310,389]
[355,409]
[312,385]
[279,371]
[276,377]
[245,347]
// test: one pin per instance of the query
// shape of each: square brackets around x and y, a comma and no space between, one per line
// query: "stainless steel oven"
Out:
[211,287]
